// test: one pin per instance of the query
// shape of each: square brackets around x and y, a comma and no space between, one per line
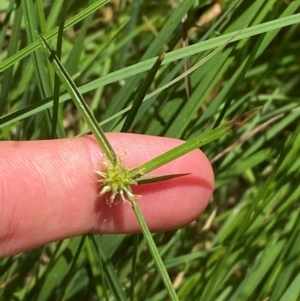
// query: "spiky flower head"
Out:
[116,180]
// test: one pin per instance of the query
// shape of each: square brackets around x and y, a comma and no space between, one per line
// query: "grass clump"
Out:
[246,244]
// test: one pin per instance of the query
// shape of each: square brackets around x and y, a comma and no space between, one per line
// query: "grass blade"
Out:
[141,93]
[56,93]
[153,179]
[35,45]
[194,143]
[80,103]
[153,249]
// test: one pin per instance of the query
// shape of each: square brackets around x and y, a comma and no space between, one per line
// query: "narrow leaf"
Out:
[154,251]
[153,179]
[141,93]
[194,143]
[80,102]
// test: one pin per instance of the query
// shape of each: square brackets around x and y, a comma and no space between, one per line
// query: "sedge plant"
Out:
[249,243]
[116,179]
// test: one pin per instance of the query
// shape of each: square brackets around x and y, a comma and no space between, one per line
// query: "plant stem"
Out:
[153,249]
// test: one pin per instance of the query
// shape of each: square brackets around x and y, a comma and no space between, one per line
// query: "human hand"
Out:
[49,190]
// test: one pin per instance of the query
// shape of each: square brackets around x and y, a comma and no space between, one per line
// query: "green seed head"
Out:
[116,180]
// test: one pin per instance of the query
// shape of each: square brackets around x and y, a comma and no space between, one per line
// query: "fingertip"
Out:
[58,197]
[165,205]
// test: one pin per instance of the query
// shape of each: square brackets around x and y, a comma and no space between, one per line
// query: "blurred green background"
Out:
[246,245]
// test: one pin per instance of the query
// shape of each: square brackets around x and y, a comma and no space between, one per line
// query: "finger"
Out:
[49,190]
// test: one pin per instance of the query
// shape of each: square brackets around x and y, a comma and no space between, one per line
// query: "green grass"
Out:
[246,245]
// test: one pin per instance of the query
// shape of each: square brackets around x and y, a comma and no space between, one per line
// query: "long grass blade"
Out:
[141,93]
[80,103]
[194,143]
[154,251]
[35,45]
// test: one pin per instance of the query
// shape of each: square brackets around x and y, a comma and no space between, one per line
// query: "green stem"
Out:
[80,102]
[152,247]
[193,144]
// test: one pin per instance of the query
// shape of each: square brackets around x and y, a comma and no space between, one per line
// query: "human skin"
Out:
[49,190]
